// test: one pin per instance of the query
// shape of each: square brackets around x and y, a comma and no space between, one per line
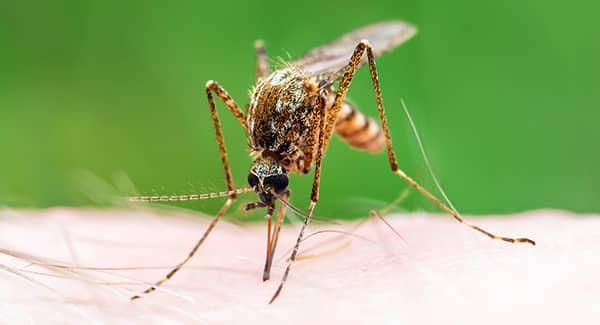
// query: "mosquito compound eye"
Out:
[252,180]
[278,183]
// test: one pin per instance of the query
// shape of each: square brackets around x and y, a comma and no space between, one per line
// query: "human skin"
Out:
[438,272]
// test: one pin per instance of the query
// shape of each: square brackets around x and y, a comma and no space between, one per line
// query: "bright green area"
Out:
[504,93]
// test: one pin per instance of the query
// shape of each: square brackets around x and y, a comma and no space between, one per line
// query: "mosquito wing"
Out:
[329,61]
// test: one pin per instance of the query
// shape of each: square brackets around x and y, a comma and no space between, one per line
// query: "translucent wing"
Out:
[328,62]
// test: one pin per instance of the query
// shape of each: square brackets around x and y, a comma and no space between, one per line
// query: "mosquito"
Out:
[292,115]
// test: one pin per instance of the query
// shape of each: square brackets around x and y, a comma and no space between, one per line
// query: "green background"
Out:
[97,97]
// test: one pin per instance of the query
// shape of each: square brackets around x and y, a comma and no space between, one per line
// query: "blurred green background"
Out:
[101,94]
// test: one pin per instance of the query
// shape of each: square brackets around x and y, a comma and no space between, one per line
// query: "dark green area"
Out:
[504,93]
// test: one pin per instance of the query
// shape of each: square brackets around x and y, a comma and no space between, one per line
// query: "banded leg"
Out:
[262,65]
[314,194]
[211,87]
[396,170]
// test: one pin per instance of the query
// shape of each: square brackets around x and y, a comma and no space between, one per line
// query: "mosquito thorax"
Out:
[283,90]
[282,113]
[268,178]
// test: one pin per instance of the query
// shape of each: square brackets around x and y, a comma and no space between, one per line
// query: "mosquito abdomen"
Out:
[358,130]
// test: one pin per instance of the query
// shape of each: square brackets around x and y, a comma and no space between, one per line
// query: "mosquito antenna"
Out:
[187,197]
[450,210]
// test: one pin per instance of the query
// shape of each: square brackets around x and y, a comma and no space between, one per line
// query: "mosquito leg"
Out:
[254,205]
[191,253]
[394,163]
[262,66]
[314,194]
[215,87]
[211,87]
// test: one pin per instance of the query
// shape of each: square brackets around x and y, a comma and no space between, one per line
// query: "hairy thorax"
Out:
[282,116]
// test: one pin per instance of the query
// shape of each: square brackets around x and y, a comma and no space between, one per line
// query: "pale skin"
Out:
[439,273]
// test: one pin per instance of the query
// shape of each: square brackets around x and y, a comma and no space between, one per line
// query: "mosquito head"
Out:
[267,177]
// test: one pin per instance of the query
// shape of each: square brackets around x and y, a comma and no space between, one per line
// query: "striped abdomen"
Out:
[358,130]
